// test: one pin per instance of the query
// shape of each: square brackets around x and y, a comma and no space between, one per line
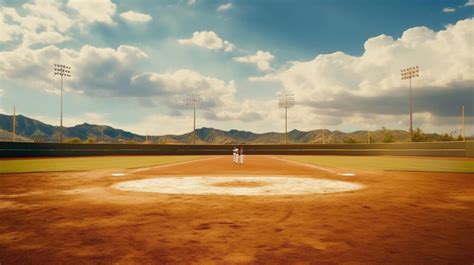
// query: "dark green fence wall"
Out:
[442,149]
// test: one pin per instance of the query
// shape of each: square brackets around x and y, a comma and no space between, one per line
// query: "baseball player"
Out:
[241,155]
[235,155]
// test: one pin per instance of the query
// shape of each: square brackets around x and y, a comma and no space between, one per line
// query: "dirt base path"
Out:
[77,217]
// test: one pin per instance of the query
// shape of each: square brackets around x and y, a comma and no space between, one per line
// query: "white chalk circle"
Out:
[347,174]
[237,186]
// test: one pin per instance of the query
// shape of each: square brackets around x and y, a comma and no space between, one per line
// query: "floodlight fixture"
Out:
[63,71]
[408,74]
[194,101]
[286,101]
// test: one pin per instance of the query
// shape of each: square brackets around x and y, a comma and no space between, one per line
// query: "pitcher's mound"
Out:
[243,186]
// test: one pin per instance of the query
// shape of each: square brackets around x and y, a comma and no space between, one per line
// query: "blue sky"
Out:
[134,62]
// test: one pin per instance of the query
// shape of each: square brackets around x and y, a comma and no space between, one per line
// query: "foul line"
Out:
[304,164]
[172,164]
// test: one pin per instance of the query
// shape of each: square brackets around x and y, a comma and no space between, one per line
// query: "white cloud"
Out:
[136,17]
[43,22]
[377,71]
[49,37]
[191,2]
[224,7]
[100,11]
[8,31]
[47,22]
[177,84]
[449,10]
[218,97]
[95,71]
[261,59]
[209,40]
[106,72]
[47,14]
[342,84]
[469,3]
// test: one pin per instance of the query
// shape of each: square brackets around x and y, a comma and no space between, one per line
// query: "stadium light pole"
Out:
[410,73]
[14,124]
[193,102]
[462,124]
[63,71]
[287,100]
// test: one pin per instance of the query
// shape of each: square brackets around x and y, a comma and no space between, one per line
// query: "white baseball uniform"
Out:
[235,156]
[241,155]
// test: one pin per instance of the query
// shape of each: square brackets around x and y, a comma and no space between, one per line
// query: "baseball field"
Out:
[209,210]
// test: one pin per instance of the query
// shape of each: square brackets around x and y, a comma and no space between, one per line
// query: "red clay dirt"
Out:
[77,217]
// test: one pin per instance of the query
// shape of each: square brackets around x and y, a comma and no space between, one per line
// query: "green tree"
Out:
[349,140]
[90,140]
[446,137]
[74,140]
[39,140]
[419,136]
[387,136]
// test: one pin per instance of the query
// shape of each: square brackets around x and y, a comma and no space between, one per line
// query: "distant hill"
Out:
[27,127]
[8,136]
[33,130]
[36,130]
[215,136]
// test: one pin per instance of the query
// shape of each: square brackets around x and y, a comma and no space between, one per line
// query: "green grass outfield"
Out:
[388,163]
[86,163]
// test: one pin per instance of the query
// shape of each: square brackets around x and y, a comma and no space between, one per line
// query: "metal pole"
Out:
[62,70]
[323,136]
[61,122]
[411,115]
[286,125]
[409,73]
[286,101]
[368,137]
[463,128]
[193,101]
[14,124]
[194,122]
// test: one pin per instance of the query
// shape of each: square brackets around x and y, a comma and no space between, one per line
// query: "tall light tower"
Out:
[63,71]
[463,128]
[409,73]
[194,101]
[14,124]
[287,100]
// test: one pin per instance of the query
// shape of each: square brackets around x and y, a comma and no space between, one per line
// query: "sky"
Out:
[133,63]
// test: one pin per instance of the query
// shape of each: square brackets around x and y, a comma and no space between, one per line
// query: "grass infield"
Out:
[86,163]
[389,163]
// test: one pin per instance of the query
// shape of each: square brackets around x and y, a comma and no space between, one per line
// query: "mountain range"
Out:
[28,129]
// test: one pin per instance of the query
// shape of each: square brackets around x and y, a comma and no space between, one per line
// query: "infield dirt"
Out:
[77,217]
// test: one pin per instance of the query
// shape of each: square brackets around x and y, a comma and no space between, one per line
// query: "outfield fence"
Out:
[439,149]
